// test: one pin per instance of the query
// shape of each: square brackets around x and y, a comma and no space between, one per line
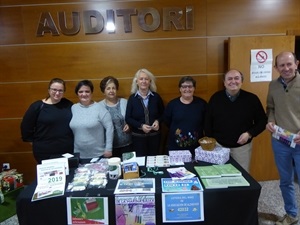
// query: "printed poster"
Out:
[87,210]
[135,209]
[182,207]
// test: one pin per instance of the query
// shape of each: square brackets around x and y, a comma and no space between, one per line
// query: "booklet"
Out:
[207,171]
[284,136]
[178,185]
[137,209]
[225,182]
[180,173]
[87,210]
[222,170]
[138,185]
[227,170]
[51,181]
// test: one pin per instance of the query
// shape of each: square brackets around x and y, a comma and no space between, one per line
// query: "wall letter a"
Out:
[46,25]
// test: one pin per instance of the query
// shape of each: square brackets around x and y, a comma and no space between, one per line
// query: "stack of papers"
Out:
[213,171]
[221,176]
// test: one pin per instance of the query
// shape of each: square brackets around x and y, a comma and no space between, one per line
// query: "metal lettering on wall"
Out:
[94,22]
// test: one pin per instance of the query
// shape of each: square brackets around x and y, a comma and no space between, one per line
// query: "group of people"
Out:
[115,125]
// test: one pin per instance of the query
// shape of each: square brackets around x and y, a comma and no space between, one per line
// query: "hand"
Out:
[146,128]
[297,138]
[107,154]
[126,128]
[243,138]
[270,127]
[155,125]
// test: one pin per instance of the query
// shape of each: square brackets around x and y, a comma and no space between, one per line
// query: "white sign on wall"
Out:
[261,65]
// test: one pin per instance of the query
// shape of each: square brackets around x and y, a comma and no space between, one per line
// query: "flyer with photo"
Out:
[135,209]
[87,210]
[138,185]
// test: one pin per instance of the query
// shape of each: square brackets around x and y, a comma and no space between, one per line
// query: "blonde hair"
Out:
[134,86]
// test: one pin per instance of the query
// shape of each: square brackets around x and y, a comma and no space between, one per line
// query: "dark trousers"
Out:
[147,144]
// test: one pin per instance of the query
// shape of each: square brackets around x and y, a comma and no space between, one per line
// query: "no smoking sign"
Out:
[261,56]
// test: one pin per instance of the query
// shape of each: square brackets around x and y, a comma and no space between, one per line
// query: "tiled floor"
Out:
[270,204]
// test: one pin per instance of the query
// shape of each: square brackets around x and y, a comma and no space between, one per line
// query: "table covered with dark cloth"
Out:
[224,206]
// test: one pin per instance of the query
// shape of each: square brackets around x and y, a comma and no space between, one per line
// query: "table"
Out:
[226,206]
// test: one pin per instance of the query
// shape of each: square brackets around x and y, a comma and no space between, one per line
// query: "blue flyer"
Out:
[183,207]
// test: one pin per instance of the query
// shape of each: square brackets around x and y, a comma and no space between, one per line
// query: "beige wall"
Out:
[28,62]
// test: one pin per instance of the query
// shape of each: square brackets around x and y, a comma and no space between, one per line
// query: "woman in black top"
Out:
[46,123]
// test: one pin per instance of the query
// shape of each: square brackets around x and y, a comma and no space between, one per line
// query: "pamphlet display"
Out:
[87,210]
[182,207]
[135,209]
[51,180]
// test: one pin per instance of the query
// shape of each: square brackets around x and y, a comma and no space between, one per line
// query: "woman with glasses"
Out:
[45,124]
[116,106]
[91,124]
[144,113]
[184,116]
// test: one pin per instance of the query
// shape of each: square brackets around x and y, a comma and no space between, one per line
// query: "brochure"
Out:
[178,185]
[138,185]
[135,209]
[180,173]
[158,161]
[51,180]
[284,136]
[225,182]
[87,210]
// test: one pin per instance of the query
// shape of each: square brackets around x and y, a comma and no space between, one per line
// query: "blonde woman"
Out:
[144,114]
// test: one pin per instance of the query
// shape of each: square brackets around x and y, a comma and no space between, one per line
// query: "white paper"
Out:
[59,160]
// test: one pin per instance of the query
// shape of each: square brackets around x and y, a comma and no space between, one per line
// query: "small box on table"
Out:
[218,155]
[177,156]
[130,170]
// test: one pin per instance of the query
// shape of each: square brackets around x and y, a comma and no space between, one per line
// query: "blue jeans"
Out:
[284,156]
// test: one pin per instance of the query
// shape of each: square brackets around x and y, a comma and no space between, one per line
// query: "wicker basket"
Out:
[207,143]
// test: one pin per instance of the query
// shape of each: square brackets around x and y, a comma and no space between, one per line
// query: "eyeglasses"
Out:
[53,90]
[187,86]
